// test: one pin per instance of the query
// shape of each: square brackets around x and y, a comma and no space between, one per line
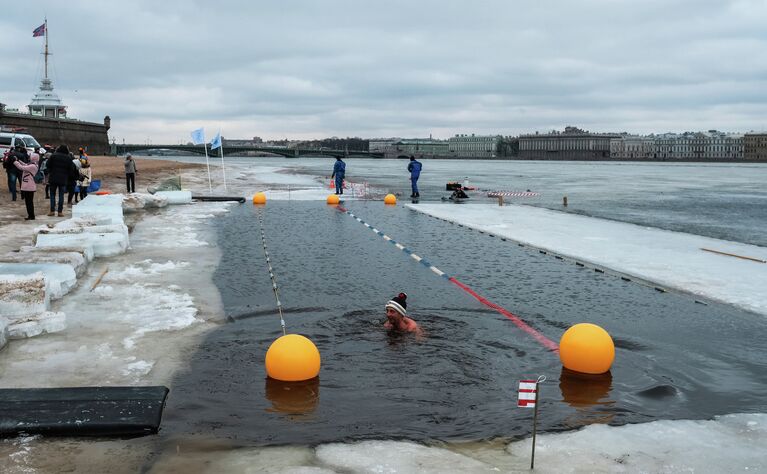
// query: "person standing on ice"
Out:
[339,171]
[414,167]
[396,316]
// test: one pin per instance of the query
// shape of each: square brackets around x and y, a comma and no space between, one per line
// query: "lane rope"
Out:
[543,340]
[271,272]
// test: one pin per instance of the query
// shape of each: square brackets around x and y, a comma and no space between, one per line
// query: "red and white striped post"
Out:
[528,398]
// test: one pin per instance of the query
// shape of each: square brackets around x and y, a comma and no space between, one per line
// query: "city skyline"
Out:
[308,70]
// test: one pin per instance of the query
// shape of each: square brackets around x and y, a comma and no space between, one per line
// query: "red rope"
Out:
[546,342]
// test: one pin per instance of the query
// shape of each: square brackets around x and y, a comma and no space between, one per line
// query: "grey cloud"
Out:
[306,68]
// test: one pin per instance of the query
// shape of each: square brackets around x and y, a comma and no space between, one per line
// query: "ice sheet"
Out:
[176,197]
[61,277]
[671,259]
[86,251]
[136,201]
[103,244]
[73,259]
[23,295]
[44,323]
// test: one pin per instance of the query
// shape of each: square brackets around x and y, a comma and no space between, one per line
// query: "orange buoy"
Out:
[587,348]
[390,199]
[333,199]
[292,358]
[259,198]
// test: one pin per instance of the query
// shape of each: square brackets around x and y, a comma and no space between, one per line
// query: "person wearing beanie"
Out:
[396,315]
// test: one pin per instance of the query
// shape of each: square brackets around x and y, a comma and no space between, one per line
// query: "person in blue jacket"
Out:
[415,172]
[339,171]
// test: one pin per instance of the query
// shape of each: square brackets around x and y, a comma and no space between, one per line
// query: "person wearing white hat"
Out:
[396,316]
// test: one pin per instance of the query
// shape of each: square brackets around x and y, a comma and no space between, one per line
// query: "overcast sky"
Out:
[318,68]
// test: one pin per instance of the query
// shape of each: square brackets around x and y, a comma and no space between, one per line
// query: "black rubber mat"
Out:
[82,411]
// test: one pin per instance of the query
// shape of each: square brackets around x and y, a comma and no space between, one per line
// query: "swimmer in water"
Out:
[396,316]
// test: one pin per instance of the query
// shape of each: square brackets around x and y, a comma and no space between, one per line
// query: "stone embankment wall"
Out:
[73,133]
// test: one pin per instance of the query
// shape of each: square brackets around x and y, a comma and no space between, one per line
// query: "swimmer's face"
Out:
[392,315]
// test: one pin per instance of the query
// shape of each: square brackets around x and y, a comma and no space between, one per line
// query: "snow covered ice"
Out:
[671,259]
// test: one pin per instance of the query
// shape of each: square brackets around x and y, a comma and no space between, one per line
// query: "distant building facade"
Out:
[381,144]
[755,146]
[632,147]
[710,145]
[571,144]
[418,147]
[481,146]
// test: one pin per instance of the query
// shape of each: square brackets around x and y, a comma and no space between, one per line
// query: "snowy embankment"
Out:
[670,259]
[33,276]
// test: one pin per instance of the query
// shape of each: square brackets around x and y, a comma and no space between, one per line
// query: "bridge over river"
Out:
[238,150]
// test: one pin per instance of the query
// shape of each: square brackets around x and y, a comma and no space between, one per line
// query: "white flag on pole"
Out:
[527,391]
[198,136]
[216,142]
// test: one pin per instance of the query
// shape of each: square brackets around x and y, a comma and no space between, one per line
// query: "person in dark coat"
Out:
[14,175]
[339,171]
[415,172]
[60,169]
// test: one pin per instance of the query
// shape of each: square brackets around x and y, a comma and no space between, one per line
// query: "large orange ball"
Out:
[390,199]
[587,348]
[333,199]
[292,358]
[259,198]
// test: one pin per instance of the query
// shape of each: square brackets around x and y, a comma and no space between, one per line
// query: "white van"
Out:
[9,140]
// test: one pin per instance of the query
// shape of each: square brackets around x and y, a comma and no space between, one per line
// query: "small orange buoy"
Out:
[587,348]
[292,358]
[333,199]
[259,198]
[390,199]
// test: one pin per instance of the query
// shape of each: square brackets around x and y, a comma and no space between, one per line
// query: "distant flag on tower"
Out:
[216,142]
[39,31]
[198,136]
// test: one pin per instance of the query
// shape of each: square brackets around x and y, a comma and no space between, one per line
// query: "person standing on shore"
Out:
[46,153]
[85,178]
[74,176]
[130,173]
[60,168]
[415,172]
[20,153]
[339,172]
[28,185]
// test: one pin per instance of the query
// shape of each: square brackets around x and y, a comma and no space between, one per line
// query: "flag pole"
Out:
[535,418]
[46,47]
[221,148]
[207,163]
